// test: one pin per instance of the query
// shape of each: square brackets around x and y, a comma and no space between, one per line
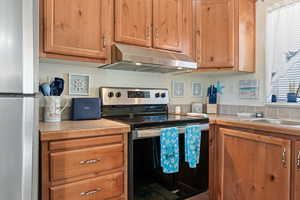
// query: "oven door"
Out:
[141,143]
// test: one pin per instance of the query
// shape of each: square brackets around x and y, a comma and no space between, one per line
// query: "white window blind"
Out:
[283,48]
[281,85]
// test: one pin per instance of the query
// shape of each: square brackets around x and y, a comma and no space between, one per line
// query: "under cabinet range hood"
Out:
[134,58]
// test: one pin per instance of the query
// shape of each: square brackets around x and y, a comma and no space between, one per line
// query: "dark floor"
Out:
[154,191]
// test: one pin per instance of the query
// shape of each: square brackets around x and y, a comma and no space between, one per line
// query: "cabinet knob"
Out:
[148,32]
[156,33]
[212,59]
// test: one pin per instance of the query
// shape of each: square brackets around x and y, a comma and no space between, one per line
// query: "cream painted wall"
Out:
[231,80]
[101,78]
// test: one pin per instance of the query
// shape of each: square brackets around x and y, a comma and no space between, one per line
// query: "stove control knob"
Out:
[118,94]
[157,95]
[111,94]
[163,95]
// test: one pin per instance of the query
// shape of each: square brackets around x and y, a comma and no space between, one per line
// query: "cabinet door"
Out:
[77,27]
[253,166]
[215,33]
[133,22]
[297,171]
[167,22]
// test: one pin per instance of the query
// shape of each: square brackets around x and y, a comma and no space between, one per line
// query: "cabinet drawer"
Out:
[100,188]
[86,142]
[73,163]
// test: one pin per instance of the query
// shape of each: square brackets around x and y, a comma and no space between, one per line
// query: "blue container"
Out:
[212,99]
[292,97]
[274,98]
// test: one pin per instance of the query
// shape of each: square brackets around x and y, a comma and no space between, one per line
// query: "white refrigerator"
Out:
[19,138]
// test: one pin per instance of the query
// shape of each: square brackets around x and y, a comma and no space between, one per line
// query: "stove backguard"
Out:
[133,110]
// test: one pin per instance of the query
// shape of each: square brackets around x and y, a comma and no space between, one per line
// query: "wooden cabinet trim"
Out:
[44,171]
[256,137]
[85,142]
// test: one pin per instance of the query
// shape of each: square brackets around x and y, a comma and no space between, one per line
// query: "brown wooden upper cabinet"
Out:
[133,22]
[253,166]
[76,29]
[151,23]
[167,23]
[225,34]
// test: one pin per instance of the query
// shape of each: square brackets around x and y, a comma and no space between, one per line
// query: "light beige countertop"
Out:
[90,128]
[252,124]
[80,129]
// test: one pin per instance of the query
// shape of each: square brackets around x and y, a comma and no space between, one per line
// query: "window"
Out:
[283,49]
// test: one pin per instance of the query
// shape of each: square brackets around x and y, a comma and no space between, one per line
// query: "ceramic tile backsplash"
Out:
[271,112]
[184,108]
[66,115]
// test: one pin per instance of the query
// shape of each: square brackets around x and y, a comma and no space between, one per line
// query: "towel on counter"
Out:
[192,140]
[169,150]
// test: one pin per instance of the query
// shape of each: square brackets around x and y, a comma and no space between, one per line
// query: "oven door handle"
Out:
[148,133]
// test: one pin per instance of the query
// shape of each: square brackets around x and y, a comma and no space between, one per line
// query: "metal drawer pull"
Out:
[283,160]
[298,161]
[148,32]
[103,41]
[90,192]
[156,33]
[85,162]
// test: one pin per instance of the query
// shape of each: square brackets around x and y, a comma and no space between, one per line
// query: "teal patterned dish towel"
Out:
[169,150]
[192,141]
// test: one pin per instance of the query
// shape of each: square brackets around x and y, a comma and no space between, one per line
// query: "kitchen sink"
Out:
[276,121]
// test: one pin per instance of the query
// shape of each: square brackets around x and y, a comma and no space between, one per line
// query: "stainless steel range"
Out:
[146,111]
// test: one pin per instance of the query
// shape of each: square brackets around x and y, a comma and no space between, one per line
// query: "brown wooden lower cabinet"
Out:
[93,168]
[297,171]
[253,165]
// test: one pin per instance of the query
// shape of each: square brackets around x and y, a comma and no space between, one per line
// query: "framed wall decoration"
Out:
[249,89]
[178,88]
[79,84]
[196,89]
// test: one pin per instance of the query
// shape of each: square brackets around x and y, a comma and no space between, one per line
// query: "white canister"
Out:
[53,111]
